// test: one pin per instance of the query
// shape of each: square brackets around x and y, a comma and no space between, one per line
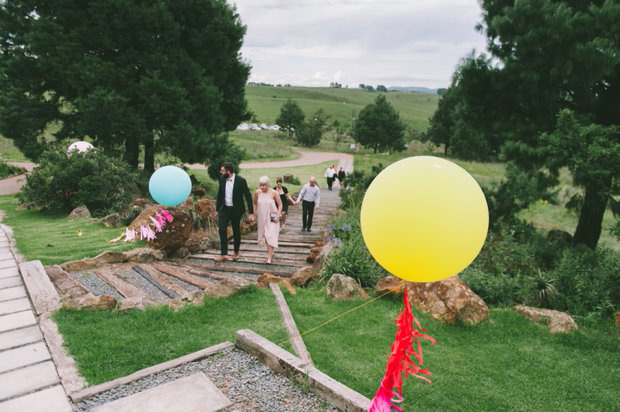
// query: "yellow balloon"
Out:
[424,219]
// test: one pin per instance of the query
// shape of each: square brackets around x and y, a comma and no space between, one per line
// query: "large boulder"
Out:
[225,287]
[557,322]
[304,276]
[176,233]
[90,301]
[205,207]
[80,212]
[141,255]
[141,203]
[112,220]
[390,284]
[343,287]
[449,300]
[247,226]
[198,241]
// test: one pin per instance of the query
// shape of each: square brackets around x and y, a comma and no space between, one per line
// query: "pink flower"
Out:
[130,234]
[160,220]
[158,225]
[146,233]
[166,215]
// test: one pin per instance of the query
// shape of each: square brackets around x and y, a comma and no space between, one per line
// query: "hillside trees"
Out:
[164,75]
[291,117]
[310,132]
[378,126]
[553,55]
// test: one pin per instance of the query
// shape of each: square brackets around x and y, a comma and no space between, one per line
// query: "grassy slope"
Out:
[415,108]
[53,238]
[505,363]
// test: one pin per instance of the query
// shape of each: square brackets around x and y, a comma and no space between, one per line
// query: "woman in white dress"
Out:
[268,209]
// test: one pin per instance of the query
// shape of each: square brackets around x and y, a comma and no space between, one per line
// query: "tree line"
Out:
[546,98]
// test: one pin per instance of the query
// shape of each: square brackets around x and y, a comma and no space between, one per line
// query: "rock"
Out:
[132,303]
[389,284]
[343,287]
[557,322]
[198,241]
[225,288]
[90,301]
[266,278]
[304,275]
[288,178]
[560,237]
[113,220]
[182,253]
[449,300]
[80,212]
[142,255]
[247,226]
[205,207]
[176,233]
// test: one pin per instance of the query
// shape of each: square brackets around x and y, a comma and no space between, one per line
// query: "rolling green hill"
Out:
[415,108]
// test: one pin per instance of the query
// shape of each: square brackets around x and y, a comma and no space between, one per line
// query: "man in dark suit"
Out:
[230,208]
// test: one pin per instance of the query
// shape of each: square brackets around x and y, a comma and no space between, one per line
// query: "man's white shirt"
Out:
[228,194]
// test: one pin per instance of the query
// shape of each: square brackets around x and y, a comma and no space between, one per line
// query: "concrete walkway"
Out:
[28,377]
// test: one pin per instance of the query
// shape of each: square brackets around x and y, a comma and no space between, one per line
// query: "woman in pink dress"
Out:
[268,209]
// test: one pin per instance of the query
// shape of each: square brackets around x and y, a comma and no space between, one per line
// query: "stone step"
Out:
[13,306]
[282,252]
[20,337]
[254,269]
[10,282]
[12,293]
[48,400]
[193,393]
[258,258]
[24,380]
[23,356]
[17,320]
[255,247]
[282,243]
[42,293]
[5,273]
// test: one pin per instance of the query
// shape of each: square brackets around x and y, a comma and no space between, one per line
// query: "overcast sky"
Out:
[389,42]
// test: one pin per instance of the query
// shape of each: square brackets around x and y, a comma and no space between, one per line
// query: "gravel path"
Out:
[248,383]
[95,285]
[143,284]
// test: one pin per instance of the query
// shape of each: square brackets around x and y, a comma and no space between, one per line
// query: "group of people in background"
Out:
[268,207]
[331,174]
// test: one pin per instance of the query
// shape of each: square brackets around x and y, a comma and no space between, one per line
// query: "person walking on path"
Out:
[341,176]
[268,208]
[285,198]
[230,208]
[310,194]
[330,174]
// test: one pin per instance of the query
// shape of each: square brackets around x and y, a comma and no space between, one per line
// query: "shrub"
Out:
[7,169]
[60,182]
[501,290]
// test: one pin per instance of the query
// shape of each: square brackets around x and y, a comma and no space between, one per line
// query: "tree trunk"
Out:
[445,149]
[590,223]
[132,151]
[375,148]
[149,156]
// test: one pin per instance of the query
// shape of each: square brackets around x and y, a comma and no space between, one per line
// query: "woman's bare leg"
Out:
[269,253]
[283,220]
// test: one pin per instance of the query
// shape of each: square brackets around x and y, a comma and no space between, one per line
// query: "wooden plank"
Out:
[164,281]
[245,269]
[42,293]
[289,323]
[155,283]
[68,287]
[282,243]
[277,260]
[122,286]
[293,251]
[180,274]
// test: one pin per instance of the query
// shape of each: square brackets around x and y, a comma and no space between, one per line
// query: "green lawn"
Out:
[341,104]
[9,152]
[264,145]
[504,363]
[53,238]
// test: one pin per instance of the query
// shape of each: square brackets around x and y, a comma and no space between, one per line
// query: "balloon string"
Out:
[338,316]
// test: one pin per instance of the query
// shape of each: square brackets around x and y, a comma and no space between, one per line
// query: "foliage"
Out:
[498,290]
[546,55]
[341,131]
[309,133]
[291,117]
[61,182]
[379,126]
[7,169]
[350,256]
[166,75]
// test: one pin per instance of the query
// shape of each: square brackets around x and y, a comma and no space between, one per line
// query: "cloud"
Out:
[358,41]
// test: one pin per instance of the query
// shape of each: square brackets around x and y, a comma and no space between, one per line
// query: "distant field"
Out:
[415,108]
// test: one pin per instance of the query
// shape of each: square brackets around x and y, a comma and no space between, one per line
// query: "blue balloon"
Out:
[170,186]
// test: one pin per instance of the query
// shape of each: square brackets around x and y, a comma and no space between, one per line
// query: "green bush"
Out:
[350,256]
[500,290]
[60,182]
[7,170]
